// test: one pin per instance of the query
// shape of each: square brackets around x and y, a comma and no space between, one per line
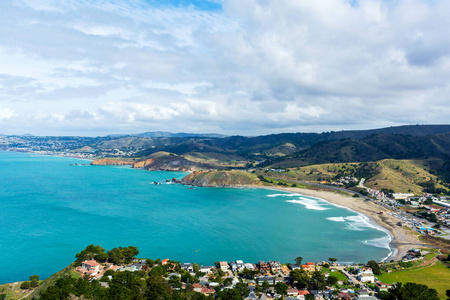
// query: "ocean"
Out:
[51,208]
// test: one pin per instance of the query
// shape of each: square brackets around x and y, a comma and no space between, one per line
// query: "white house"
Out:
[224,266]
[90,265]
[365,275]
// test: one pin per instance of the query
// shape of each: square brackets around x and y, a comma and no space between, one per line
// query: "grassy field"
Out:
[436,277]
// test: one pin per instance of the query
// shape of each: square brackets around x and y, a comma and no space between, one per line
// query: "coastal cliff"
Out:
[110,162]
[220,179]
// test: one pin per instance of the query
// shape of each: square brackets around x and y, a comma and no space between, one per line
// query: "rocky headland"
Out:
[220,179]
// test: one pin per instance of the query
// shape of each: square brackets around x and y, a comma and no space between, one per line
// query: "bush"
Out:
[25,285]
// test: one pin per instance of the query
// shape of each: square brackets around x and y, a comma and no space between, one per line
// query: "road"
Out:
[335,188]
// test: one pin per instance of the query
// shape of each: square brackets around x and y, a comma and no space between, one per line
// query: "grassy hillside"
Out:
[220,179]
[398,175]
[216,160]
[436,276]
[404,175]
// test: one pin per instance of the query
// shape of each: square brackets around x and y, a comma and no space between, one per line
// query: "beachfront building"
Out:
[309,267]
[90,265]
[264,267]
[187,267]
[207,269]
[224,266]
[275,266]
[365,275]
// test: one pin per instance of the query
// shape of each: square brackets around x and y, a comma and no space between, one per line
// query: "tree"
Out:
[158,288]
[242,288]
[34,280]
[412,291]
[228,281]
[299,278]
[101,257]
[299,260]
[317,281]
[281,288]
[375,267]
[150,262]
[175,282]
[265,285]
[230,294]
[332,260]
[25,285]
[88,253]
[332,280]
[448,292]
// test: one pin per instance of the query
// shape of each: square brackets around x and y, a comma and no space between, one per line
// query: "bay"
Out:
[51,209]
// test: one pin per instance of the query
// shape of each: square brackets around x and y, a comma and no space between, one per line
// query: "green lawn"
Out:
[436,277]
[338,274]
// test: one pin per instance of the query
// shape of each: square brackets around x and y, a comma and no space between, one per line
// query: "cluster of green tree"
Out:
[427,216]
[116,255]
[362,170]
[443,173]
[34,282]
[410,291]
[430,187]
[123,286]
[315,281]
[375,267]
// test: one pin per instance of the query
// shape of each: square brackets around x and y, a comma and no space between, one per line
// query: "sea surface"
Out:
[51,209]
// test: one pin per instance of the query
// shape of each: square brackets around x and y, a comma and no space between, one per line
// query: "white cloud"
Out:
[256,67]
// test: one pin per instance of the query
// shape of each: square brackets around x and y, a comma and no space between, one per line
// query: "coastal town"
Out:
[265,280]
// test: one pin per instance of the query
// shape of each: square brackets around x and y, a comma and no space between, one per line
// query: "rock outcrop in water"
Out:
[220,179]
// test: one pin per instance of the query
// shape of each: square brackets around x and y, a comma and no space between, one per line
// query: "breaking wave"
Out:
[283,195]
[357,223]
[309,204]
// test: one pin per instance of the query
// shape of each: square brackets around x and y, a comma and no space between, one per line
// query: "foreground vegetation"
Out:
[436,276]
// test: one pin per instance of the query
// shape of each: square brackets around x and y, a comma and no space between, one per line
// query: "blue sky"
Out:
[96,67]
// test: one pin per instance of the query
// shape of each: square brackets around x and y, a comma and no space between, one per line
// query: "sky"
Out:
[248,67]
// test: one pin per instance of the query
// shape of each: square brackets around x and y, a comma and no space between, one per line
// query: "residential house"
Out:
[322,295]
[382,287]
[275,266]
[240,265]
[130,268]
[188,267]
[164,262]
[90,265]
[309,267]
[269,279]
[224,266]
[264,267]
[206,269]
[292,292]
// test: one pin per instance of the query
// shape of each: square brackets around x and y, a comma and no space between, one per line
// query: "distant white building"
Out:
[401,196]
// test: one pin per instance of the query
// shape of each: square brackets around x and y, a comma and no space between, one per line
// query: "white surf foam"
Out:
[382,242]
[283,195]
[308,203]
[336,219]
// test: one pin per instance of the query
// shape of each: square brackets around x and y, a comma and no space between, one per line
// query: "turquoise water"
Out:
[49,211]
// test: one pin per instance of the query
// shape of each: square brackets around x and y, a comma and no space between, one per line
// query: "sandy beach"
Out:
[402,239]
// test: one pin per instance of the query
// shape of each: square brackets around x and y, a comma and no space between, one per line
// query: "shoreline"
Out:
[401,239]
